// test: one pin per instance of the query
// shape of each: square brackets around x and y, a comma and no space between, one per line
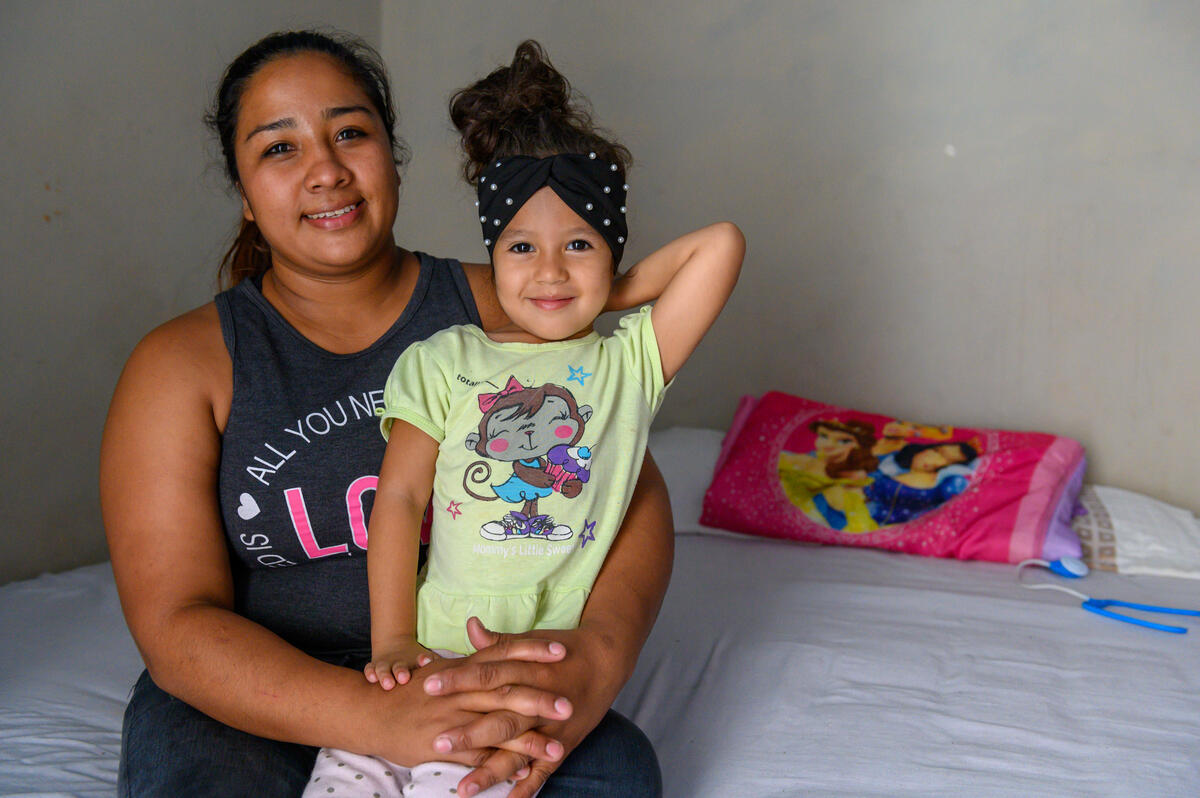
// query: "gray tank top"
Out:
[300,459]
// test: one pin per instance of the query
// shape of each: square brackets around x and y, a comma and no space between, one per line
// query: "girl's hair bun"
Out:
[527,108]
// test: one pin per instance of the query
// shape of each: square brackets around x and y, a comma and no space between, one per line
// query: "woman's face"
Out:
[315,167]
[833,445]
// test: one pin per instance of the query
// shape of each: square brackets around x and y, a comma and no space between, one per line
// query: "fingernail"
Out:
[433,684]
[471,789]
[442,745]
[562,705]
[522,773]
[554,750]
[557,648]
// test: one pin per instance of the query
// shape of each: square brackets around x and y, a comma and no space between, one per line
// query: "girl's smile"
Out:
[551,303]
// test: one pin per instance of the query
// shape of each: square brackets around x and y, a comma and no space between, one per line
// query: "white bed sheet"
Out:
[782,669]
[775,669]
[67,664]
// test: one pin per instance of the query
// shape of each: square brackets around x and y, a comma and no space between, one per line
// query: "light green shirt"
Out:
[522,550]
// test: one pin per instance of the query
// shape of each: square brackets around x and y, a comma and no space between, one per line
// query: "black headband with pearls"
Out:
[589,186]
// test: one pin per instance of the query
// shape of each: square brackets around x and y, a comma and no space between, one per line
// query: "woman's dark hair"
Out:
[527,108]
[904,457]
[249,255]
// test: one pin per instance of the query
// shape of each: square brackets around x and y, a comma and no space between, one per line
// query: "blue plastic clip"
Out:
[1100,607]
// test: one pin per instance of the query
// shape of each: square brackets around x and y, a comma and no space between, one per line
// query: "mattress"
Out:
[775,669]
[782,669]
[66,667]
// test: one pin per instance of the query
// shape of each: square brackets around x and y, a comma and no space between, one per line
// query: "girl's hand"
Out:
[581,673]
[396,663]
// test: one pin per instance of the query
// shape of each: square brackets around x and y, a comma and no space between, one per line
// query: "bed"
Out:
[775,669]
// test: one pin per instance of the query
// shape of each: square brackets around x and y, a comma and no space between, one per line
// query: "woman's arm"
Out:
[692,278]
[601,653]
[159,461]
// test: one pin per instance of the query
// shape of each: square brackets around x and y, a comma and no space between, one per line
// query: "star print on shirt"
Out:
[455,509]
[578,374]
[588,533]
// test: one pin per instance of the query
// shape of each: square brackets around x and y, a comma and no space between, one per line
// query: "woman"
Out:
[238,464]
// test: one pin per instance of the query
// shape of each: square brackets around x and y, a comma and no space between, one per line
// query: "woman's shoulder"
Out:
[185,356]
[194,336]
[483,288]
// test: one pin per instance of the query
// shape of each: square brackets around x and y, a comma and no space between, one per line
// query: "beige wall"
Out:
[1041,277]
[982,213]
[113,216]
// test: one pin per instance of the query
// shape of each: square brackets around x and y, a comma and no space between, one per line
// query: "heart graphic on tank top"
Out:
[248,508]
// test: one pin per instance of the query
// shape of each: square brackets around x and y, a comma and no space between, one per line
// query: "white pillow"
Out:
[686,456]
[1132,533]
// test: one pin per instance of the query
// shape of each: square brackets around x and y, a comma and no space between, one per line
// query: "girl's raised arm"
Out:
[692,277]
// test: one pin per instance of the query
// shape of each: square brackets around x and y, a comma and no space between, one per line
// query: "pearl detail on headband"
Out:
[581,180]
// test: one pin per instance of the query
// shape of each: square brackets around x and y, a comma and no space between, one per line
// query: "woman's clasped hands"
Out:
[501,709]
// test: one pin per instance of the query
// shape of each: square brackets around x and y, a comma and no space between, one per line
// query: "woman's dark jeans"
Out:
[171,750]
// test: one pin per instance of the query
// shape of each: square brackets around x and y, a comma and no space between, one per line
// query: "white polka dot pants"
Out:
[341,773]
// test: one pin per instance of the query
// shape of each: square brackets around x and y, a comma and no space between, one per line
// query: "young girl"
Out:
[528,437]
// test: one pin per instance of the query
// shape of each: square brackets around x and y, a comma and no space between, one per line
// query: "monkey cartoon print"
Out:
[537,430]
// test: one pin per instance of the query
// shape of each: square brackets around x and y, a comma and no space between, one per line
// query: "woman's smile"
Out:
[337,218]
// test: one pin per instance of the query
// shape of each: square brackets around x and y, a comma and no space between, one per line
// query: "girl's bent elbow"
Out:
[733,236]
[728,232]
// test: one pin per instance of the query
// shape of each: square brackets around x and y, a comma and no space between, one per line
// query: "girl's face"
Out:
[315,167]
[553,272]
[833,445]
